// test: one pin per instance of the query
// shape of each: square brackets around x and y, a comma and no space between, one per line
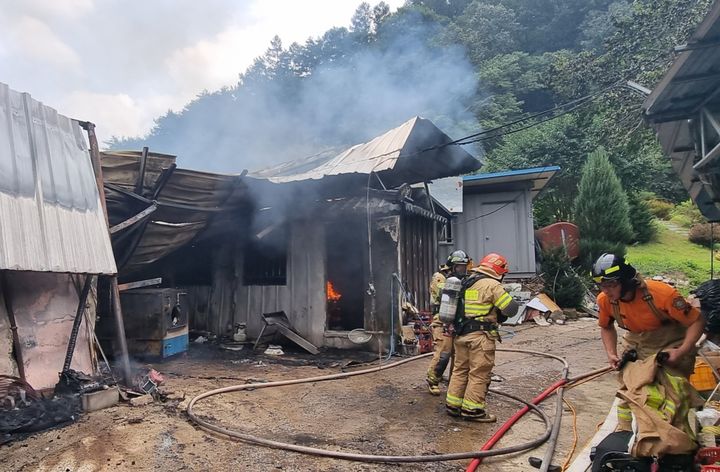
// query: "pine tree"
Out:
[601,207]
[642,220]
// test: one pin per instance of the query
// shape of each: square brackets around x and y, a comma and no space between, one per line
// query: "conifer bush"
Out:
[601,207]
[562,284]
[641,219]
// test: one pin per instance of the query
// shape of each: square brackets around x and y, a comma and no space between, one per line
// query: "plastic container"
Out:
[449,299]
[703,378]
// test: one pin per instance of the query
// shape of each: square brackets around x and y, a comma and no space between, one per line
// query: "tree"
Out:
[641,219]
[601,207]
[486,30]
[562,142]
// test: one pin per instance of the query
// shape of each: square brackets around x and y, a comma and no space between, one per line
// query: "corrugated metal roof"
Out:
[693,76]
[51,218]
[692,82]
[412,152]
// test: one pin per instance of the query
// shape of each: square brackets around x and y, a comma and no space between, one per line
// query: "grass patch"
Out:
[672,255]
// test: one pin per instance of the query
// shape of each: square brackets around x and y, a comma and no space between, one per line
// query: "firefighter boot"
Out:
[453,410]
[479,416]
[433,382]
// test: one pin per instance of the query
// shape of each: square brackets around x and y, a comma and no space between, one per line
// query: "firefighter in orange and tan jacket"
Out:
[657,318]
[485,303]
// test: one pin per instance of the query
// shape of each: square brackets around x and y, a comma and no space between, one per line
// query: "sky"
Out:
[122,63]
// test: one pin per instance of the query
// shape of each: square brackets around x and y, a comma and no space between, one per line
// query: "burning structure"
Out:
[335,241]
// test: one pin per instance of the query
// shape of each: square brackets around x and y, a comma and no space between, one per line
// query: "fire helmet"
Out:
[612,267]
[496,263]
[457,257]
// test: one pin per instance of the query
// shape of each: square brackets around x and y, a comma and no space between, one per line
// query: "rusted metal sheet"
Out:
[51,219]
[415,151]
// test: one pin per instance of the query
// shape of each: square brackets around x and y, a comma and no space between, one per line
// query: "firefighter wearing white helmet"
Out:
[456,265]
[485,304]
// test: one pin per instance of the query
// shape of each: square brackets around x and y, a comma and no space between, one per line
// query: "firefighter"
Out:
[657,318]
[442,336]
[485,304]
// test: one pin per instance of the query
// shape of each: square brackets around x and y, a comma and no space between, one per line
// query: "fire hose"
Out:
[563,382]
[485,452]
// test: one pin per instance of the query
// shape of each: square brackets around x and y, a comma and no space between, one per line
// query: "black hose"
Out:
[547,458]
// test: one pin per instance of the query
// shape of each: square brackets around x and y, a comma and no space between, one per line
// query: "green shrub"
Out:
[601,207]
[660,209]
[704,234]
[687,214]
[642,220]
[562,284]
[591,249]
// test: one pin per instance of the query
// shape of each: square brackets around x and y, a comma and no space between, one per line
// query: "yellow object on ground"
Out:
[703,378]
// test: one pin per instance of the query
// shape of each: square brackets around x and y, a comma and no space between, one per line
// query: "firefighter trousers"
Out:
[441,355]
[647,344]
[474,361]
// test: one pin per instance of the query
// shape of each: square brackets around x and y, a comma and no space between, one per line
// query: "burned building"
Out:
[335,241]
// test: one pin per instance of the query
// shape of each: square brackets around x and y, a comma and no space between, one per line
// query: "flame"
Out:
[332,294]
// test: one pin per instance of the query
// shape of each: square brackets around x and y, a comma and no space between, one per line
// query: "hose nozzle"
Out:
[630,355]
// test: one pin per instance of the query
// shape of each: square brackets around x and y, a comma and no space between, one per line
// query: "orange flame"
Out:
[332,294]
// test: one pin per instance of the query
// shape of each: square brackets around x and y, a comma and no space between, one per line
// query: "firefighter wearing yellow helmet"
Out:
[456,264]
[485,303]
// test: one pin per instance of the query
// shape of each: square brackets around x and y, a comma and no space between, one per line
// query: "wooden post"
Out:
[117,309]
[5,288]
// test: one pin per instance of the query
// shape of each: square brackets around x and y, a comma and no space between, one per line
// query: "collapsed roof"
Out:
[173,205]
[156,208]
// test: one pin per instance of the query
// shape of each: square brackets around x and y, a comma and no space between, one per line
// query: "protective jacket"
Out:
[485,303]
[436,286]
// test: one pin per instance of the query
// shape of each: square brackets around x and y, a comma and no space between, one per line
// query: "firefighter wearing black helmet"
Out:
[456,265]
[657,318]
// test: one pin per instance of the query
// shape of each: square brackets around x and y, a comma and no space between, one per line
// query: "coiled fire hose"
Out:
[369,457]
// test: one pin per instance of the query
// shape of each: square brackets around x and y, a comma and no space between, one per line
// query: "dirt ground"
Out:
[388,412]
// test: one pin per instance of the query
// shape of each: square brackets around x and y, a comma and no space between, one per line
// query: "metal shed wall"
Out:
[496,222]
[302,298]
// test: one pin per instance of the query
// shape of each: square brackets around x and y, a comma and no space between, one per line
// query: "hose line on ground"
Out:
[369,457]
[569,383]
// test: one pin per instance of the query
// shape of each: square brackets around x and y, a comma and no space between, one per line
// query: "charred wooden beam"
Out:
[140,183]
[134,219]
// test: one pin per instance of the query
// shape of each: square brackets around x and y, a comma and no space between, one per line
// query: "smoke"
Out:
[357,91]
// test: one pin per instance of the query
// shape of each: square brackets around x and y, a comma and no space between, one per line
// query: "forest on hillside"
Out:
[535,82]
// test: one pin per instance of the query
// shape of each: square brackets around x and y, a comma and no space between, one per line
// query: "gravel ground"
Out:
[388,412]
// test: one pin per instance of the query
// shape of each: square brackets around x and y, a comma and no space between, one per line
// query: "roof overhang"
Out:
[537,178]
[684,109]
